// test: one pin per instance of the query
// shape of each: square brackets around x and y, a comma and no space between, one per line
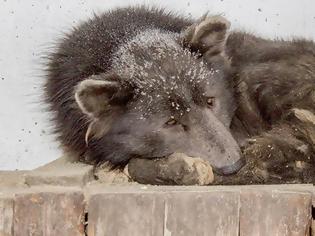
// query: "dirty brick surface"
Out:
[31,206]
[12,179]
[159,212]
[202,213]
[49,214]
[131,214]
[276,213]
[60,172]
[313,212]
[6,216]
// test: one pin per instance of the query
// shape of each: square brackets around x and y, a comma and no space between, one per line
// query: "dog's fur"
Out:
[275,85]
[270,82]
[124,85]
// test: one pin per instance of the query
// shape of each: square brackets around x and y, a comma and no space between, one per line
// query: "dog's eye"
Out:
[211,102]
[171,121]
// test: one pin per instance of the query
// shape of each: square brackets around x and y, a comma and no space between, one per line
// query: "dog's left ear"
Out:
[208,35]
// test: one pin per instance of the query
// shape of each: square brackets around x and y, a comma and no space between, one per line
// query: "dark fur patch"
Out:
[83,52]
[270,78]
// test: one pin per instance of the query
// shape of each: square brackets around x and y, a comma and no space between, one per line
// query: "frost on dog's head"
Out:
[160,99]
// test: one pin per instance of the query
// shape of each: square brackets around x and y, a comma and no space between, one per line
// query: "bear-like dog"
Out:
[145,83]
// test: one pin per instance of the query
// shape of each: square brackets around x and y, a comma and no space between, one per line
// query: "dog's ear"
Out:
[93,96]
[208,35]
[99,94]
[101,97]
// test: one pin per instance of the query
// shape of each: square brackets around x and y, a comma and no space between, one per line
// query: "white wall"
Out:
[29,27]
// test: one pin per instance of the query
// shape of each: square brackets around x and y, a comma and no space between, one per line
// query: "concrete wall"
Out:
[29,28]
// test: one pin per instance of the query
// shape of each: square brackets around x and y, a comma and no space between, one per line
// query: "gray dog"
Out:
[145,83]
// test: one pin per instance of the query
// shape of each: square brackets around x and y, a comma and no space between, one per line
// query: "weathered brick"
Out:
[6,216]
[49,214]
[157,211]
[60,172]
[275,213]
[12,179]
[313,207]
[120,214]
[202,213]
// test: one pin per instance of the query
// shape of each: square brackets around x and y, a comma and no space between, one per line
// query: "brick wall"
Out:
[48,202]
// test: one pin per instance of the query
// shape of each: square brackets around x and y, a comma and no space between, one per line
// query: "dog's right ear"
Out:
[101,97]
[99,93]
[93,96]
[208,35]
